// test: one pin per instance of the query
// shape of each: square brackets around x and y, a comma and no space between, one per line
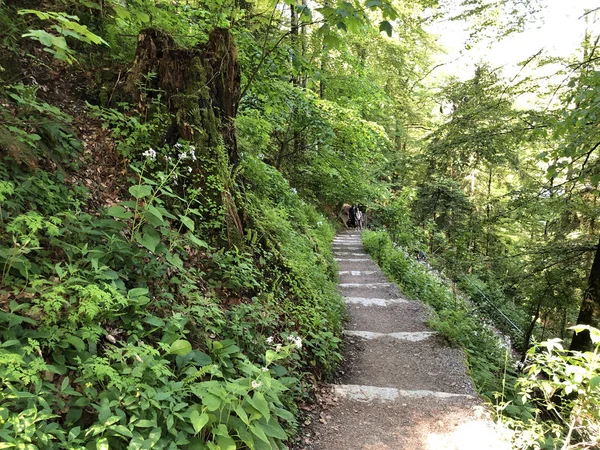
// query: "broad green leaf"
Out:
[211,401]
[258,432]
[42,36]
[241,414]
[140,191]
[154,321]
[387,27]
[273,429]
[331,41]
[154,216]
[119,212]
[150,238]
[189,223]
[594,382]
[197,242]
[180,347]
[74,433]
[111,421]
[122,430]
[258,401]
[137,292]
[144,423]
[76,342]
[64,384]
[226,442]
[102,444]
[175,260]
[198,420]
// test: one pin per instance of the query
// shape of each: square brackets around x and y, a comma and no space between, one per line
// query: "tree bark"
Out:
[589,313]
[200,87]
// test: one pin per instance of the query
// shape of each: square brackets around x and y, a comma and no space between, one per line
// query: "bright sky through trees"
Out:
[558,30]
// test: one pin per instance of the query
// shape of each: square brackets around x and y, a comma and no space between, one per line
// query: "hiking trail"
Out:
[401,385]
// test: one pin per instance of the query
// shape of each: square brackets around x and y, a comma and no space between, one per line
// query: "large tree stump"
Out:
[200,87]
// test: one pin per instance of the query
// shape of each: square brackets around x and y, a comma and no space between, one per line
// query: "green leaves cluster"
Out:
[562,386]
[115,322]
[62,26]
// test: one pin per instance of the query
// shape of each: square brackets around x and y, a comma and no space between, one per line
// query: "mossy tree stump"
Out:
[201,89]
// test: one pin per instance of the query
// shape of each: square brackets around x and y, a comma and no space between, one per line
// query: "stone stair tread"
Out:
[409,336]
[391,315]
[385,290]
[408,422]
[422,365]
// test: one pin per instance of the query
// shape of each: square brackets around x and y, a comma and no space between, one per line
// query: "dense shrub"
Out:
[129,325]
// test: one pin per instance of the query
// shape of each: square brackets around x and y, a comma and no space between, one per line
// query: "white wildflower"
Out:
[291,337]
[189,169]
[278,347]
[265,369]
[182,155]
[319,223]
[294,191]
[261,156]
[177,146]
[138,359]
[298,342]
[150,153]
[270,340]
[256,384]
[192,153]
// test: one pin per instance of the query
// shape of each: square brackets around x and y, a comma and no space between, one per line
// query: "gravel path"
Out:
[401,385]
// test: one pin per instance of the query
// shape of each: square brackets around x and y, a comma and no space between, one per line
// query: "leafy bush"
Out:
[126,327]
[561,389]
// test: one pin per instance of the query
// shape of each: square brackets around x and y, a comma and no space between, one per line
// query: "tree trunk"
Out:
[529,332]
[589,313]
[200,87]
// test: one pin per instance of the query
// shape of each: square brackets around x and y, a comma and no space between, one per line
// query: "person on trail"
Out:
[421,256]
[359,218]
[352,221]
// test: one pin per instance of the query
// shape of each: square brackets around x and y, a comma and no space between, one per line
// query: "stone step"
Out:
[367,285]
[367,290]
[349,252]
[353,259]
[359,273]
[420,365]
[408,336]
[369,279]
[385,315]
[348,247]
[372,301]
[373,418]
[357,264]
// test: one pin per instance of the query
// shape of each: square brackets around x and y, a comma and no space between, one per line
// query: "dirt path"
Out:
[401,386]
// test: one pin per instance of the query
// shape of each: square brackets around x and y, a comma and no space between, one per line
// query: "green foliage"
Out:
[62,26]
[561,390]
[291,231]
[32,130]
[123,327]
